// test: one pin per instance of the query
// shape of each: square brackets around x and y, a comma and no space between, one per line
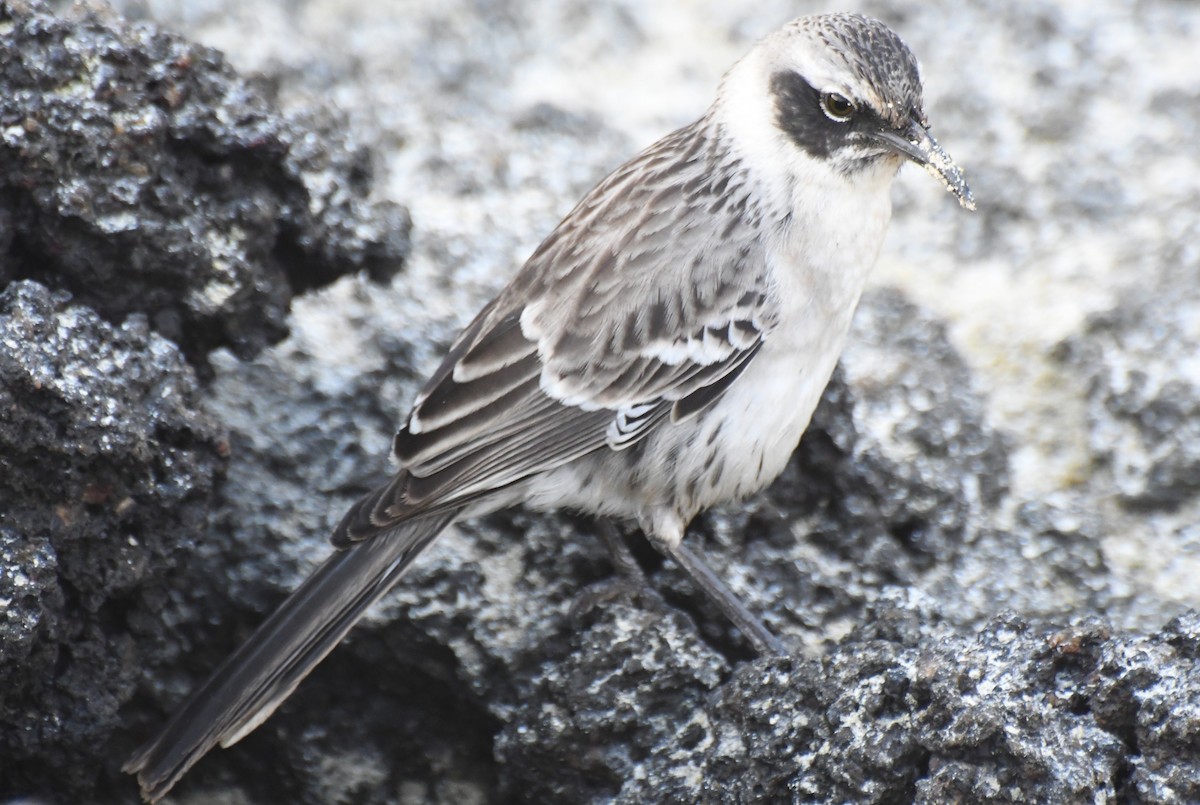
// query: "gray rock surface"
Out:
[1143,399]
[905,709]
[142,174]
[983,555]
[107,470]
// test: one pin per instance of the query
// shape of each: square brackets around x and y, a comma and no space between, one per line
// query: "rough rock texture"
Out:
[139,172]
[1143,381]
[903,710]
[153,206]
[107,467]
[982,557]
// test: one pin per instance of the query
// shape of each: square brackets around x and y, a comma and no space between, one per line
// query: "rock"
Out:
[904,709]
[164,208]
[107,465]
[1143,388]
[142,174]
[626,700]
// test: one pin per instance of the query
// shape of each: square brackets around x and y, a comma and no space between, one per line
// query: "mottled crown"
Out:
[876,56]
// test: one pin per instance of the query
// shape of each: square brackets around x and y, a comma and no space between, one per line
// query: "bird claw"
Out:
[606,591]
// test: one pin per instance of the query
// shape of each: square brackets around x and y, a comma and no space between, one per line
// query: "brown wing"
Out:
[641,309]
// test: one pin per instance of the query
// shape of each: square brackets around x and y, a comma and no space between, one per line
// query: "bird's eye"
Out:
[837,107]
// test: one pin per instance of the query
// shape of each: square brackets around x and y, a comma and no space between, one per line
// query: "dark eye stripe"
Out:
[800,115]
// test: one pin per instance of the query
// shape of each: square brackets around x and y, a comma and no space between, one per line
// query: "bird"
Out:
[662,350]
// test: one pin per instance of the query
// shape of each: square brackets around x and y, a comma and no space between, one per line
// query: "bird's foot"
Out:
[607,591]
[629,583]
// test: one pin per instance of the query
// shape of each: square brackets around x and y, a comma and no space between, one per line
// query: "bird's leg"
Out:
[720,594]
[629,580]
[622,558]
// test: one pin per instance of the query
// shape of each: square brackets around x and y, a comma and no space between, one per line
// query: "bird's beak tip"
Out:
[951,177]
[939,165]
[919,145]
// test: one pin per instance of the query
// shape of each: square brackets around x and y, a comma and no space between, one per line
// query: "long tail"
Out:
[256,678]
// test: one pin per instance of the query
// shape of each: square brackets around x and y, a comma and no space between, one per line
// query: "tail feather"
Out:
[248,686]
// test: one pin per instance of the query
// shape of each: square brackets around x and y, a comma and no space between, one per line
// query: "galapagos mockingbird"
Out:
[661,351]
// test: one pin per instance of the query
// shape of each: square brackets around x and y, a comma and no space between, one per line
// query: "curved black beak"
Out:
[918,144]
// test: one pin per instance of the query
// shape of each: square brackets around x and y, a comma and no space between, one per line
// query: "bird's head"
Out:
[845,92]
